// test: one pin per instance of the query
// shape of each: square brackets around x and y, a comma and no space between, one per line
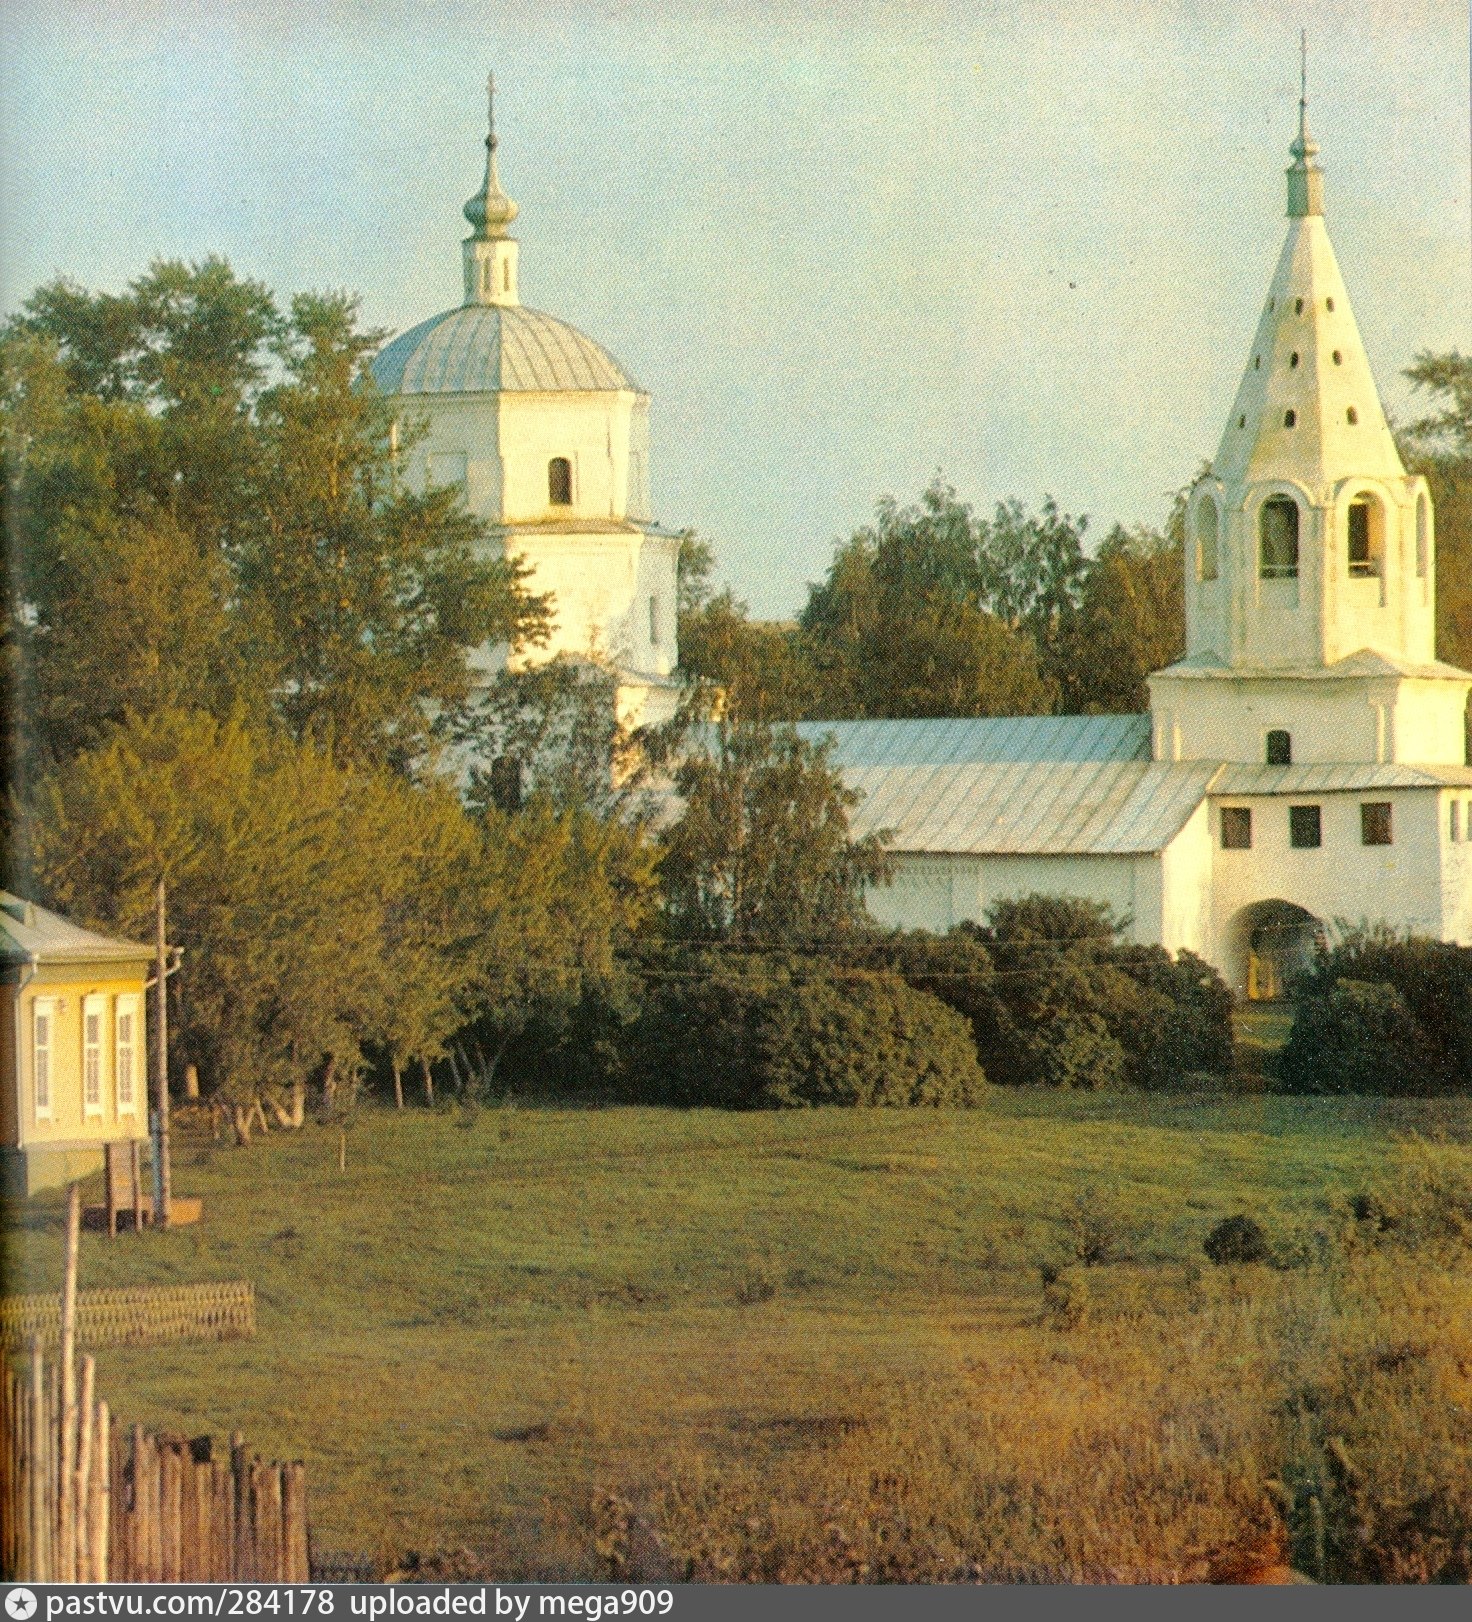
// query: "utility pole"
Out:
[161,1059]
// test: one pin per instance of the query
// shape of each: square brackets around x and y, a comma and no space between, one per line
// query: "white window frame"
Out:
[43,1076]
[94,1005]
[127,1008]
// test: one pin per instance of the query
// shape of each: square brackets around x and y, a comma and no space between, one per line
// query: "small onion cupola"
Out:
[489,254]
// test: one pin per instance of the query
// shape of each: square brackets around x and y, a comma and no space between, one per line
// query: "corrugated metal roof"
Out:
[1080,807]
[989,739]
[31,934]
[484,348]
[1333,778]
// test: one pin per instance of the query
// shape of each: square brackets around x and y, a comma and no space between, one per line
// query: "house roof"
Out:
[1331,778]
[1056,808]
[32,934]
[1025,785]
[985,739]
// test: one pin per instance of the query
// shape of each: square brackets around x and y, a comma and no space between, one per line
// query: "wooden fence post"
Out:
[66,1561]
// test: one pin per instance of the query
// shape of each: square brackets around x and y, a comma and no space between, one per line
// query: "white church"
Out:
[1303,765]
[547,438]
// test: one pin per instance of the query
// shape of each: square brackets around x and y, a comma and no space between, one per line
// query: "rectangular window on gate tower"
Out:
[1236,827]
[1305,827]
[1375,824]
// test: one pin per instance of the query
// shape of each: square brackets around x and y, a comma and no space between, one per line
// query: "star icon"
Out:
[21,1604]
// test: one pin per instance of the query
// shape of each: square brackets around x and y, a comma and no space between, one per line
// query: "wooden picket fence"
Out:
[80,1502]
[145,1312]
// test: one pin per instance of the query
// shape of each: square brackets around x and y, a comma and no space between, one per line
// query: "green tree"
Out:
[907,621]
[277,864]
[761,668]
[763,850]
[1129,619]
[362,597]
[561,893]
[1439,445]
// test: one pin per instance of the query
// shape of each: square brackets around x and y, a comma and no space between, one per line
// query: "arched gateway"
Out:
[1270,944]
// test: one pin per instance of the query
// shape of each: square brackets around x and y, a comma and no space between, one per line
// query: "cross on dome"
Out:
[490,211]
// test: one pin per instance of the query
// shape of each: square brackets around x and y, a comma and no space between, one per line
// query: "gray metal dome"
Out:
[484,348]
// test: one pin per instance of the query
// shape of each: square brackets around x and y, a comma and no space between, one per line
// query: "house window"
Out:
[126,1042]
[1305,827]
[559,482]
[1279,747]
[1375,826]
[1207,530]
[1423,537]
[1236,827]
[43,1031]
[1278,539]
[92,1055]
[654,621]
[1454,829]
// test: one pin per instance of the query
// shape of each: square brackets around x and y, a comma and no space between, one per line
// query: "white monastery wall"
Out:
[1343,879]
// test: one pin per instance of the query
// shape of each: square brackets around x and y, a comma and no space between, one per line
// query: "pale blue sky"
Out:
[843,245]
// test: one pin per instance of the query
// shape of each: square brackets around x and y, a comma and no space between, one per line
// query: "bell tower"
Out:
[1310,552]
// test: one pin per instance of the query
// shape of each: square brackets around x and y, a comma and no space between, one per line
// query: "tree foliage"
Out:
[762,850]
[202,504]
[1438,444]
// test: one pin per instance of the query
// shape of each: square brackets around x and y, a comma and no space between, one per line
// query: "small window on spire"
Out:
[1290,419]
[1351,416]
[1271,302]
[559,482]
[1338,358]
[1279,751]
[1242,421]
[1257,363]
[1298,306]
[1329,305]
[1293,358]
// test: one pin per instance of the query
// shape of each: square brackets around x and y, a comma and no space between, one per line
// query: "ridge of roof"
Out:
[34,934]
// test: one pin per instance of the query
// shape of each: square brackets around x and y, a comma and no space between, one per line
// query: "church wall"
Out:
[1334,719]
[460,446]
[1344,879]
[594,580]
[591,430]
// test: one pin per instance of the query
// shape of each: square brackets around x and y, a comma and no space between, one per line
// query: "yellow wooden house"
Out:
[73,1072]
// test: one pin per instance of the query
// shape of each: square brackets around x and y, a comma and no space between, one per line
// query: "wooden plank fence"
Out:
[80,1502]
[145,1312]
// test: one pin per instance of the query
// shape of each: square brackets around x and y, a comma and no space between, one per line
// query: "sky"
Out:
[843,245]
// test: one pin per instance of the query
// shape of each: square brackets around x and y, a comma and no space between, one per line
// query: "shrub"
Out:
[865,1039]
[1237,1239]
[1361,1037]
[1411,1034]
[764,1034]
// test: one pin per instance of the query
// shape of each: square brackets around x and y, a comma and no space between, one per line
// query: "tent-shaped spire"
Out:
[1307,408]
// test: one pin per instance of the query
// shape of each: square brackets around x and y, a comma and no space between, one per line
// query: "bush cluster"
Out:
[1383,1014]
[1054,999]
[759,1033]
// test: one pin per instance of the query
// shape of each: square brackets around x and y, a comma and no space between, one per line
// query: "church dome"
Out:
[487,348]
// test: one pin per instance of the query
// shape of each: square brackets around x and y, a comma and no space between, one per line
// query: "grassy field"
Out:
[814,1342]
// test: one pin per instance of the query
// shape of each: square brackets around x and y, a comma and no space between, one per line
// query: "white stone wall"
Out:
[937,892]
[1333,719]
[1344,879]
